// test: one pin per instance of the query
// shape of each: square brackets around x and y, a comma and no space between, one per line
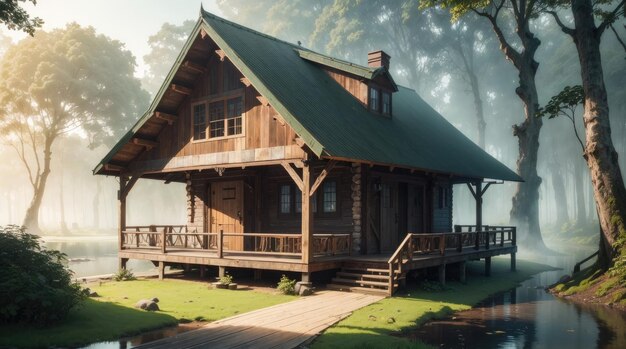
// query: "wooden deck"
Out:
[285,325]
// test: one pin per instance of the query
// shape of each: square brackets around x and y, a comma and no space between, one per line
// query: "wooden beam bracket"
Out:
[148,144]
[170,118]
[294,175]
[194,66]
[221,54]
[181,89]
[318,181]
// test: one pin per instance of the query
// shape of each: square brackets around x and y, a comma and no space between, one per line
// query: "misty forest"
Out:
[539,85]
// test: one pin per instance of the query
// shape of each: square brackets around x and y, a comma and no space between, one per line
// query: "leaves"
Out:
[16,18]
[565,101]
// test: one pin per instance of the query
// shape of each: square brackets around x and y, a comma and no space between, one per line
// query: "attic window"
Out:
[386,105]
[374,99]
[218,118]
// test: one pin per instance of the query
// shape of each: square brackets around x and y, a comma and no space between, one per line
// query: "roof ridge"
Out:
[253,31]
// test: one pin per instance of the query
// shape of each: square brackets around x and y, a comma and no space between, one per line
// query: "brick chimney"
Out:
[378,59]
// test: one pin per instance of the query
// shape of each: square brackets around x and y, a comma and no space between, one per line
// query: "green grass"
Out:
[375,325]
[112,315]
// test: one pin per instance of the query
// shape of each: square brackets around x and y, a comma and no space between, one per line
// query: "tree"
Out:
[60,81]
[16,18]
[521,53]
[599,152]
[164,47]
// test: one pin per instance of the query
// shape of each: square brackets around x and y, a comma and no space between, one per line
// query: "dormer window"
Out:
[374,99]
[386,105]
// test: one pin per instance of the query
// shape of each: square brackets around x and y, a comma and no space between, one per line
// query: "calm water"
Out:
[529,317]
[93,255]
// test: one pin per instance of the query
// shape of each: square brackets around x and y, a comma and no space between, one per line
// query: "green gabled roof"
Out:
[329,119]
[335,124]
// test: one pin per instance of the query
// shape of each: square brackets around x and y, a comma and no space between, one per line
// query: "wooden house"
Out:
[296,161]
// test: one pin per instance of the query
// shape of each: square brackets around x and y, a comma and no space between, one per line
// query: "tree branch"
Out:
[617,36]
[567,30]
[610,18]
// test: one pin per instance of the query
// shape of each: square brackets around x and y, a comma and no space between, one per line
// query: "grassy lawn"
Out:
[112,315]
[375,325]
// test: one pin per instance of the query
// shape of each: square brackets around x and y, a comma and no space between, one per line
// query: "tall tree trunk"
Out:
[581,211]
[608,184]
[481,125]
[63,223]
[525,209]
[560,197]
[31,220]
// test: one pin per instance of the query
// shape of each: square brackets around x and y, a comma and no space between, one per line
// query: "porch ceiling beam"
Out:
[318,181]
[181,89]
[194,66]
[145,142]
[294,175]
[170,118]
[113,167]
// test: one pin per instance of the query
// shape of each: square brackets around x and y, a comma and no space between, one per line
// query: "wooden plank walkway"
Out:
[284,325]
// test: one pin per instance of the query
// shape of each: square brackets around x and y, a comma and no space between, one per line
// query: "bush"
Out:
[226,279]
[286,285]
[35,286]
[124,275]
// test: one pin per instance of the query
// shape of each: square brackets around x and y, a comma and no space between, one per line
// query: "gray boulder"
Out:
[147,305]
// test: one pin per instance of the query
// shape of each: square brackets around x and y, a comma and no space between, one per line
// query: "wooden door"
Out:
[416,212]
[388,217]
[227,212]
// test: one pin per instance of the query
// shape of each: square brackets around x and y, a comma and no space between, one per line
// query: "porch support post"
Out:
[202,271]
[307,216]
[513,266]
[479,212]
[121,204]
[462,272]
[306,277]
[122,263]
[161,270]
[487,266]
[221,271]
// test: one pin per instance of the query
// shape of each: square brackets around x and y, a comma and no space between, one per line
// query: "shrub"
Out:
[226,279]
[286,285]
[35,286]
[124,275]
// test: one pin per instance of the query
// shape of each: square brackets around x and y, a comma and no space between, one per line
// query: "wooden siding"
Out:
[352,84]
[264,133]
[442,217]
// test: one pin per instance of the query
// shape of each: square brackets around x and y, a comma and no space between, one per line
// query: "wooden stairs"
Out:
[370,278]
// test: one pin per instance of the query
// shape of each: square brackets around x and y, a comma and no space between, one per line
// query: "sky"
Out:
[133,25]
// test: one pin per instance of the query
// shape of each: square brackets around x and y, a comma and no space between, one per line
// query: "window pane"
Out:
[199,121]
[374,99]
[216,119]
[234,107]
[285,199]
[298,200]
[386,103]
[330,197]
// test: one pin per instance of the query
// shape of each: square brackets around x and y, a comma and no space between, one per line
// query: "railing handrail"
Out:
[406,240]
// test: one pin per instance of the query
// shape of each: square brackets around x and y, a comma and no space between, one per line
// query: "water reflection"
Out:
[93,255]
[529,317]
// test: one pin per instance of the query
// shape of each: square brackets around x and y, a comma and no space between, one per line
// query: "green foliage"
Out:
[16,18]
[564,103]
[227,279]
[124,275]
[286,285]
[35,286]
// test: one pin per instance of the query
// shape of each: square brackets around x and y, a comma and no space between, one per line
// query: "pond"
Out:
[529,317]
[93,255]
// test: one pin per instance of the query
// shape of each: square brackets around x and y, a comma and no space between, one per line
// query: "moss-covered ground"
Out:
[112,315]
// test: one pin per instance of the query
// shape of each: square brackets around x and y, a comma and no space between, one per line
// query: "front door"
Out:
[388,217]
[227,212]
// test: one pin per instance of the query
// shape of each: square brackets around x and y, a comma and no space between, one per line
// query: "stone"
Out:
[391,320]
[93,294]
[147,305]
[232,286]
[155,300]
[299,285]
[305,291]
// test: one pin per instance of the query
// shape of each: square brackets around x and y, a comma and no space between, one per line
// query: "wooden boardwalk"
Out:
[284,325]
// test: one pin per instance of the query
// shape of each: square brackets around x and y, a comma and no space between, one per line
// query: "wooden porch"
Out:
[381,273]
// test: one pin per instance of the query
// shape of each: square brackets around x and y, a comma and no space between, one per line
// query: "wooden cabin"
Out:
[296,161]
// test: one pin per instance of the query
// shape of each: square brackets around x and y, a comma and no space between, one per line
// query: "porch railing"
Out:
[182,237]
[464,237]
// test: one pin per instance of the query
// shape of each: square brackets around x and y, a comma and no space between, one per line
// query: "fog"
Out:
[78,203]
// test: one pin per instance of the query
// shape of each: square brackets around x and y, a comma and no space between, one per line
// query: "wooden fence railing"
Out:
[464,237]
[180,237]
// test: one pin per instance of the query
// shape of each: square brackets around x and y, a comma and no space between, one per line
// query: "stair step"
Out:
[368,270]
[365,290]
[362,276]
[360,282]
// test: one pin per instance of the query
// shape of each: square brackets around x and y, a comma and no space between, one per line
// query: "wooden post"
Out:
[479,212]
[514,238]
[306,277]
[513,266]
[487,266]
[122,263]
[202,272]
[457,229]
[307,216]
[161,270]
[163,242]
[442,274]
[220,239]
[221,271]
[462,272]
[121,201]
